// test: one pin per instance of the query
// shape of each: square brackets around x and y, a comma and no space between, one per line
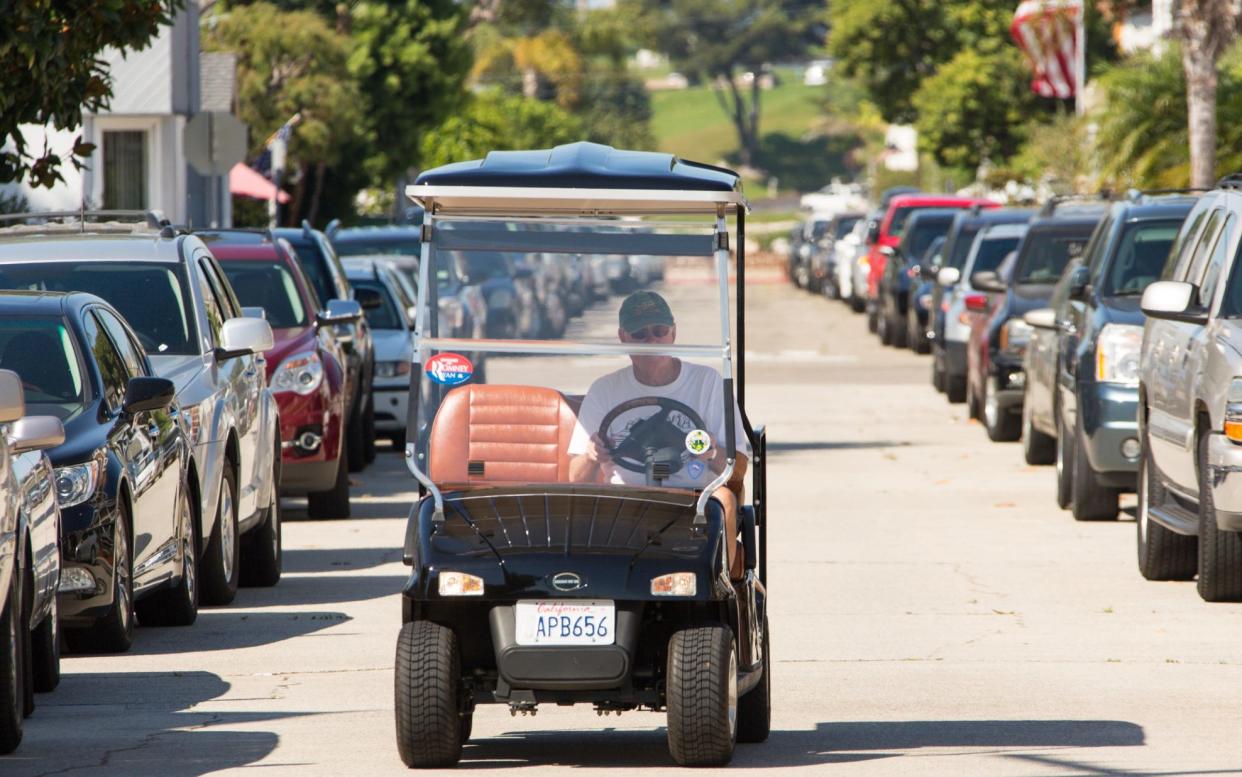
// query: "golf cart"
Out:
[630,590]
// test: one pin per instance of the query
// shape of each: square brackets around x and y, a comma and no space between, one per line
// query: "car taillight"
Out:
[976,302]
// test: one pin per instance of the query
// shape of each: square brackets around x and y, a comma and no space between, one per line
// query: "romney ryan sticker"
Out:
[449,369]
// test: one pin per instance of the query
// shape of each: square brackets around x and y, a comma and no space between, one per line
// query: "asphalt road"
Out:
[933,613]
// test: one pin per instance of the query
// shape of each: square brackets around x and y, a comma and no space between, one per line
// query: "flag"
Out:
[273,154]
[1046,31]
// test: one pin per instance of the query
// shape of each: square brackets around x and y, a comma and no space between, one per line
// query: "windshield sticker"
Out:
[698,442]
[449,369]
[694,468]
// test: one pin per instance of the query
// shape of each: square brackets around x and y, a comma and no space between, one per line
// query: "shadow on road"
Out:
[829,743]
[231,630]
[134,724]
[778,446]
[298,560]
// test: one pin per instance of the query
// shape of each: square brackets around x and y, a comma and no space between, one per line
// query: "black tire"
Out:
[262,556]
[702,696]
[873,321]
[220,570]
[883,327]
[1220,551]
[915,337]
[938,380]
[45,651]
[955,388]
[1001,425]
[1064,464]
[1163,554]
[333,503]
[1089,500]
[897,330]
[973,409]
[178,605]
[427,696]
[12,674]
[114,632]
[368,430]
[754,710]
[467,726]
[857,303]
[354,438]
[1037,448]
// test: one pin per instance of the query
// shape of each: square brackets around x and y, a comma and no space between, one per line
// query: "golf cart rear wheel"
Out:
[702,696]
[754,710]
[428,692]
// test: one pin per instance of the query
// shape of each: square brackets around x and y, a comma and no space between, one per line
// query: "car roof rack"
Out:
[83,221]
[1136,195]
[1233,181]
[1102,197]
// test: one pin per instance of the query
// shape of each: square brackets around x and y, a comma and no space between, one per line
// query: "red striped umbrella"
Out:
[1046,31]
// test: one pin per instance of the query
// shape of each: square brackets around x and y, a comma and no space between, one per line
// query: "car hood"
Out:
[391,344]
[286,342]
[181,370]
[1122,310]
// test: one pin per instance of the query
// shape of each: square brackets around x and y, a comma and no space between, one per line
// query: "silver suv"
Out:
[1190,406]
[174,295]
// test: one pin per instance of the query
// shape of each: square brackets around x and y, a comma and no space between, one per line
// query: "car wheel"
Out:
[857,303]
[937,373]
[368,430]
[177,606]
[220,570]
[954,388]
[12,676]
[873,321]
[1002,425]
[1163,554]
[428,696]
[1064,464]
[114,632]
[1220,551]
[914,333]
[883,328]
[897,329]
[972,404]
[45,651]
[754,710]
[262,554]
[1037,447]
[333,503]
[1089,500]
[355,439]
[702,696]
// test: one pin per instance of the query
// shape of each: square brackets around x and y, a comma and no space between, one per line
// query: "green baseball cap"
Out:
[643,308]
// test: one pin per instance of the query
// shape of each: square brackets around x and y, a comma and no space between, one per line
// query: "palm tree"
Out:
[1205,28]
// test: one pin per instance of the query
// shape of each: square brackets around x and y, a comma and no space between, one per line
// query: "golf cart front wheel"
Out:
[702,696]
[430,727]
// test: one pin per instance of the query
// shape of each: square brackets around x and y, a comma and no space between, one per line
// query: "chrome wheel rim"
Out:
[123,596]
[228,529]
[732,701]
[188,555]
[1143,503]
[990,411]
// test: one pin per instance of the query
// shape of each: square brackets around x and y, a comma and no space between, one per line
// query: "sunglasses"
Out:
[652,332]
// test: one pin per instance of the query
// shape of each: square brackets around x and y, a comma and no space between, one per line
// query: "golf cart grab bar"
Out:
[562,348]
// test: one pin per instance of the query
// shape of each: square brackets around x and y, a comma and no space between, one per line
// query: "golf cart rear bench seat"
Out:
[493,435]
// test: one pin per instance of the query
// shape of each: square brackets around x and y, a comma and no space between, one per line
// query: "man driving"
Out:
[617,405]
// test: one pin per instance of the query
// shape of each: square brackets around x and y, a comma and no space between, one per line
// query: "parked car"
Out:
[901,267]
[814,228]
[1190,398]
[29,560]
[995,379]
[919,302]
[887,234]
[511,308]
[306,366]
[1081,403]
[824,257]
[948,359]
[172,293]
[853,254]
[392,329]
[323,267]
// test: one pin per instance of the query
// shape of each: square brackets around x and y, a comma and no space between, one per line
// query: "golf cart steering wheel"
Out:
[650,435]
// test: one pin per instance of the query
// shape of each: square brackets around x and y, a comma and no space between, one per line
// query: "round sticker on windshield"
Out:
[449,369]
[698,442]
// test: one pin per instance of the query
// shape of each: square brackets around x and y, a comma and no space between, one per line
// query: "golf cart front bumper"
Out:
[565,667]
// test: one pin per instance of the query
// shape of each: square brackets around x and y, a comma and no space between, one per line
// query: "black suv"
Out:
[922,229]
[1082,366]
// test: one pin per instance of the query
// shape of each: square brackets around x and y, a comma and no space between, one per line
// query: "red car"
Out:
[888,234]
[304,367]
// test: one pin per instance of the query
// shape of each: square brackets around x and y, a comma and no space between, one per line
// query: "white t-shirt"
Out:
[697,386]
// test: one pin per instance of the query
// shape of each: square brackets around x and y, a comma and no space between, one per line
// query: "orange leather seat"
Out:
[497,435]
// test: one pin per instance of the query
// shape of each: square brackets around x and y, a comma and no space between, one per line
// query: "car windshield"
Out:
[267,285]
[377,247]
[153,297]
[898,224]
[385,316]
[1141,255]
[922,234]
[1046,252]
[481,265]
[845,226]
[42,353]
[992,251]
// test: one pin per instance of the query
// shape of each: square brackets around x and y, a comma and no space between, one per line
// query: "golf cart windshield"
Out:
[637,392]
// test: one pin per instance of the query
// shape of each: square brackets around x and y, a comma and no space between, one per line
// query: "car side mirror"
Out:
[36,433]
[369,299]
[1173,301]
[254,312]
[873,233]
[888,250]
[341,311]
[143,394]
[1044,318]
[948,276]
[242,336]
[12,397]
[1078,283]
[987,281]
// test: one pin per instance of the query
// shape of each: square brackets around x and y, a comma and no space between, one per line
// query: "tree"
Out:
[292,62]
[495,121]
[51,71]
[719,40]
[1205,28]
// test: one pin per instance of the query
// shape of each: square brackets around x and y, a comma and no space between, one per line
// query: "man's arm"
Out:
[593,466]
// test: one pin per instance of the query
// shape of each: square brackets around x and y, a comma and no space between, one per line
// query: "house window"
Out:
[125,170]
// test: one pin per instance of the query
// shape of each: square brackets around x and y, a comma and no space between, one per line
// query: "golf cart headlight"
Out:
[1015,335]
[1117,354]
[300,374]
[675,584]
[460,584]
[392,369]
[77,482]
[1233,411]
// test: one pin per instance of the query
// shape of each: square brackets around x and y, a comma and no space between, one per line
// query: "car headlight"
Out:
[392,369]
[1014,336]
[460,584]
[674,584]
[501,298]
[1117,352]
[300,374]
[1233,411]
[76,483]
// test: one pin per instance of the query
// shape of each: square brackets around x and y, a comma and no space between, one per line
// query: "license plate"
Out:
[566,622]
